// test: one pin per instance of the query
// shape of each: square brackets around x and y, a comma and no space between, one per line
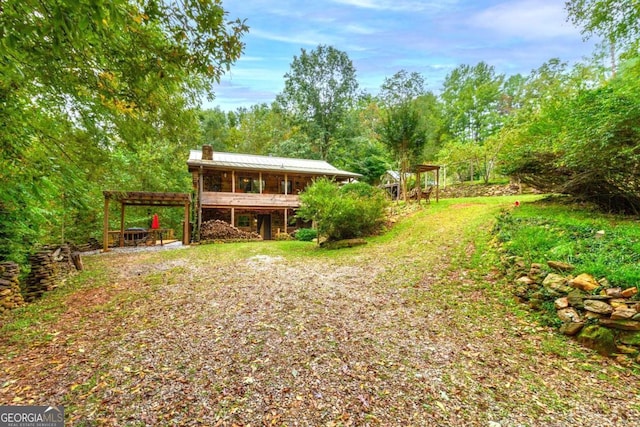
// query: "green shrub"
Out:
[353,210]
[306,234]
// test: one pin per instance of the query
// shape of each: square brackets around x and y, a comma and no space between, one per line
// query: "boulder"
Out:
[526,280]
[576,299]
[629,292]
[561,303]
[556,282]
[598,338]
[630,338]
[560,266]
[569,315]
[625,325]
[571,329]
[585,282]
[623,313]
[613,292]
[596,306]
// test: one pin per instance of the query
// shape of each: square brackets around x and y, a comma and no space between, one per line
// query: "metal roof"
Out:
[267,163]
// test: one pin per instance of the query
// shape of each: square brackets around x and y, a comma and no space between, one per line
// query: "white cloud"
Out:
[397,5]
[526,19]
[306,38]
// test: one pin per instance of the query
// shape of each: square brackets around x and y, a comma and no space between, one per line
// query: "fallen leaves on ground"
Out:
[400,332]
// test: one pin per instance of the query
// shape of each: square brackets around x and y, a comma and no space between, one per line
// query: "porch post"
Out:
[286,220]
[233,217]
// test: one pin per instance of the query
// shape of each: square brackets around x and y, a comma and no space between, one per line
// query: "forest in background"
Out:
[105,96]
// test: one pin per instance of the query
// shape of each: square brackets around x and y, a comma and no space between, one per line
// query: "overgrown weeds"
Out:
[599,244]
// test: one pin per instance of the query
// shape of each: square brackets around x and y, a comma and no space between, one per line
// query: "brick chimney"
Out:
[207,152]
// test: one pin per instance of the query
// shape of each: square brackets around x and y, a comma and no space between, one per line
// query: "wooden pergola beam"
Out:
[144,198]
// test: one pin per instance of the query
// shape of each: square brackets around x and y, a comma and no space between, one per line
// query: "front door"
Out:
[264,226]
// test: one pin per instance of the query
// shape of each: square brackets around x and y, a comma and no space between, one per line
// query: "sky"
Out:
[382,37]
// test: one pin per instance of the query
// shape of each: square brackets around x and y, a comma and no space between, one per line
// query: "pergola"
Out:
[144,198]
[427,168]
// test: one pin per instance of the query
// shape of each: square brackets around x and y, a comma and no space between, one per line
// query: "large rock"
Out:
[556,282]
[569,315]
[598,338]
[623,313]
[561,303]
[585,282]
[630,338]
[595,306]
[576,299]
[625,325]
[560,266]
[570,329]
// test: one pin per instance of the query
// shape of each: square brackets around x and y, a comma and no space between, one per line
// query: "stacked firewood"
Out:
[220,230]
[10,296]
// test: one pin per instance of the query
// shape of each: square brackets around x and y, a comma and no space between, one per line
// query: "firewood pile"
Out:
[49,268]
[220,230]
[10,296]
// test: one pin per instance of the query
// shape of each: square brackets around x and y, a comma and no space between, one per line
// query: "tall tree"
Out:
[80,81]
[472,106]
[614,20]
[402,129]
[319,90]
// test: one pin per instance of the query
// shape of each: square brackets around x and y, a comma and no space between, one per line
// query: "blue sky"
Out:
[381,37]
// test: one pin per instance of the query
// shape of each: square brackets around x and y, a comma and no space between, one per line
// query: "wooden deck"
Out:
[235,200]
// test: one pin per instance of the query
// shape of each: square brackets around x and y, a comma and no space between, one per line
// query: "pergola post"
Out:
[105,239]
[186,238]
[121,224]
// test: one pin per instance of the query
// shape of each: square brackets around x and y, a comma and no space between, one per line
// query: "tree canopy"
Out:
[319,90]
[88,88]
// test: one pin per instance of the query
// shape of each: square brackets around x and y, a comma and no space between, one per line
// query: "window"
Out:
[288,188]
[212,182]
[248,184]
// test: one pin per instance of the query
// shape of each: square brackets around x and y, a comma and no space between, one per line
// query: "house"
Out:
[254,193]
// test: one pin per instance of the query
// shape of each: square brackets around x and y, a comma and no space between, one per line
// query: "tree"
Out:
[580,139]
[401,127]
[472,99]
[319,90]
[82,81]
[613,20]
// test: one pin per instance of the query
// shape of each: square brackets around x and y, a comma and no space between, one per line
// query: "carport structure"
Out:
[144,198]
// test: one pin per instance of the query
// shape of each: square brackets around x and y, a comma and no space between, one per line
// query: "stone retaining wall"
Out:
[600,316]
[10,296]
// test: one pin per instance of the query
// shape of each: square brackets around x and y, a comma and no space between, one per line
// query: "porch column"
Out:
[233,181]
[286,184]
[260,181]
[286,220]
[233,217]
